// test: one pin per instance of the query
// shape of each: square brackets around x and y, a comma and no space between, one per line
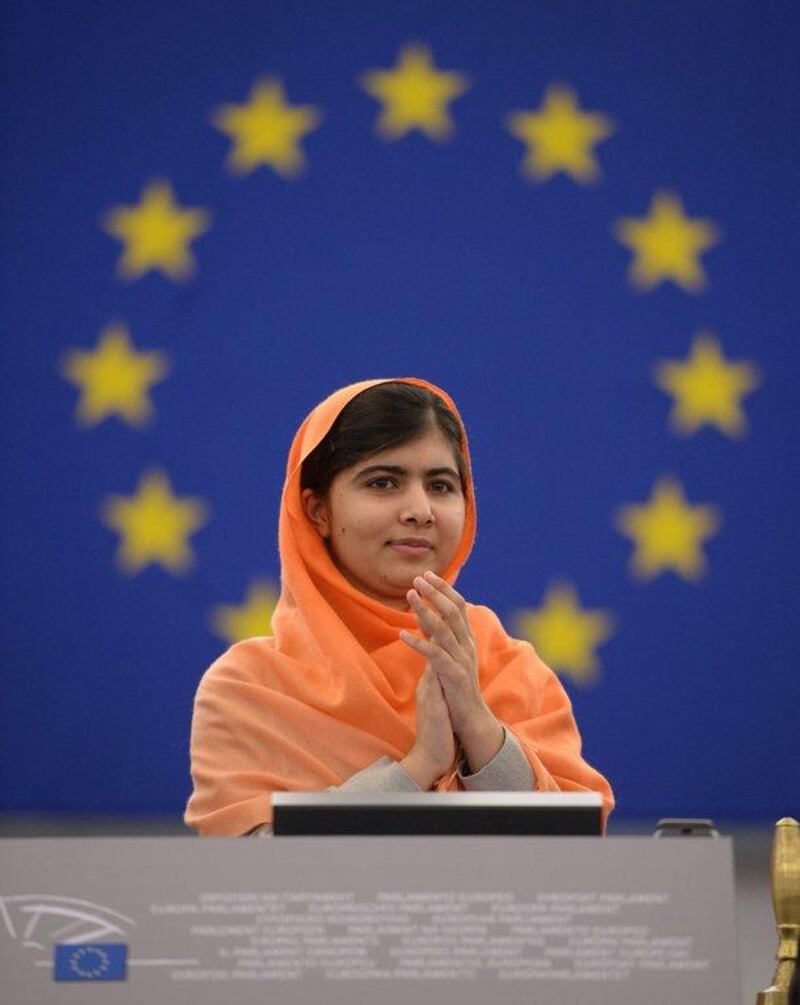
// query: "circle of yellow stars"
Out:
[559,137]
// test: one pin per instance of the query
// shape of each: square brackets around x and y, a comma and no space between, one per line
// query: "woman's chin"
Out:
[395,586]
[393,583]
[399,586]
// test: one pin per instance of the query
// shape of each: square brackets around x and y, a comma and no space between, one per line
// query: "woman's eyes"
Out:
[439,486]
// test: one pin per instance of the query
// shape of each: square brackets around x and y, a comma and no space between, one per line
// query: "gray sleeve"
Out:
[383,775]
[508,771]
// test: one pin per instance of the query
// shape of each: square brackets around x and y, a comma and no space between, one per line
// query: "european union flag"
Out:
[213,215]
[96,961]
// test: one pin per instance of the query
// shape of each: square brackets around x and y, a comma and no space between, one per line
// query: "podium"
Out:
[352,920]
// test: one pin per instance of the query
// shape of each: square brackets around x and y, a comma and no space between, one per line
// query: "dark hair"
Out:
[386,415]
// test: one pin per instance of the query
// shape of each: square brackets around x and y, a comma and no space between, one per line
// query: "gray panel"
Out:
[345,919]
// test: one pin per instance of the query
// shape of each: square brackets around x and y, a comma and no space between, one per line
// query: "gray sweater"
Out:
[508,771]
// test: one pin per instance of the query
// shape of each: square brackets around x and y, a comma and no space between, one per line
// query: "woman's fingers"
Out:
[435,740]
[429,688]
[448,672]
[423,646]
[433,625]
[444,587]
[433,653]
[450,605]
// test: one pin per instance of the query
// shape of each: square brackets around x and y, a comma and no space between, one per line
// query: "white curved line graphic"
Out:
[7,919]
[20,898]
[102,928]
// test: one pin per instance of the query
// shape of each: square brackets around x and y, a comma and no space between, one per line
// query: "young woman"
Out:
[379,675]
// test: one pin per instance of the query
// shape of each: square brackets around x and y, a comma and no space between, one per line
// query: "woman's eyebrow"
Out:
[396,469]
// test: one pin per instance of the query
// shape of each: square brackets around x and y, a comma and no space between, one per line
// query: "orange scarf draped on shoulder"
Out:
[333,688]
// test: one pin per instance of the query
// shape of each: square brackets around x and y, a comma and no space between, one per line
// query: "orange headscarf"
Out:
[333,688]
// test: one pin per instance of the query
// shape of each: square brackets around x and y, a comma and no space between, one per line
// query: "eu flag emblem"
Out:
[97,961]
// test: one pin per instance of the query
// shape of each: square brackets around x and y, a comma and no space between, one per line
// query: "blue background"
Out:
[387,259]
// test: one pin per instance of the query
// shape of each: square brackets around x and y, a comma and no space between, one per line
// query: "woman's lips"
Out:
[411,549]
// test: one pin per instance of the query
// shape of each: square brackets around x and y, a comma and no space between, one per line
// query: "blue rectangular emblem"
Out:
[95,961]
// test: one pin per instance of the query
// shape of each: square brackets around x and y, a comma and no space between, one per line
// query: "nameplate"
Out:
[352,920]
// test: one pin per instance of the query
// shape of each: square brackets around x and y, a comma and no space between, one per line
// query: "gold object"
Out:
[786,904]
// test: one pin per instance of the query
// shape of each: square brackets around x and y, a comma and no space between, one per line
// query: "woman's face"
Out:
[392,516]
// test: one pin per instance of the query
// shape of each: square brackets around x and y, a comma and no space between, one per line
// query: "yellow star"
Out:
[667,244]
[563,634]
[253,617]
[707,388]
[560,137]
[414,95]
[154,525]
[668,533]
[114,379]
[266,130]
[156,233]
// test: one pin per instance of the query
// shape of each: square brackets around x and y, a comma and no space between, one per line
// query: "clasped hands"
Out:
[450,705]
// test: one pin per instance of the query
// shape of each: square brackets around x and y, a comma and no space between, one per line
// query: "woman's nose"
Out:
[416,506]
